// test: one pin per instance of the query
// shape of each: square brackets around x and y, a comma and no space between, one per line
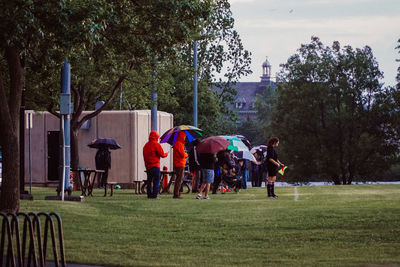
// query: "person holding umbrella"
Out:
[273,164]
[212,145]
[152,152]
[103,162]
[103,156]
[179,162]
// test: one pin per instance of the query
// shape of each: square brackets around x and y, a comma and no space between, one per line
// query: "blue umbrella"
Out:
[104,143]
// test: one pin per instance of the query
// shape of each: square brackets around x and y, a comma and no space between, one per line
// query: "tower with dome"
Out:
[247,91]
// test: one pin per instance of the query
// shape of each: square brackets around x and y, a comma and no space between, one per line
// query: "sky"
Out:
[277,28]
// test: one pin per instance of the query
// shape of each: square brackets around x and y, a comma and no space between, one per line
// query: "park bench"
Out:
[111,185]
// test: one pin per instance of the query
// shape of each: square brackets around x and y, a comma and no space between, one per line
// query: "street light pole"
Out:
[154,99]
[65,111]
[195,84]
[22,144]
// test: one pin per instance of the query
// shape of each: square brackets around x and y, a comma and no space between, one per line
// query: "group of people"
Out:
[207,169]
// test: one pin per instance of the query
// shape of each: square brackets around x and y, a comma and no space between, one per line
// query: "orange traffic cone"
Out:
[165,180]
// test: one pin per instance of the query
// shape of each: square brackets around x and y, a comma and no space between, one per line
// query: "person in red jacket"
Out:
[152,152]
[179,162]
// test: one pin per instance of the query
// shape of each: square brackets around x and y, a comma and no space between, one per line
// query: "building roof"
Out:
[247,91]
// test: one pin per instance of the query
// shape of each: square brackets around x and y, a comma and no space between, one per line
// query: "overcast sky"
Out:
[277,28]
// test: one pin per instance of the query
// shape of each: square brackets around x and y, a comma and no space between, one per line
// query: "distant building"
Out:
[247,91]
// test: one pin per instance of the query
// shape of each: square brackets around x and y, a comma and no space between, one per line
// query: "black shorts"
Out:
[272,170]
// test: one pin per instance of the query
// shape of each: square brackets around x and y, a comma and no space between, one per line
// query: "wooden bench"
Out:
[137,185]
[112,187]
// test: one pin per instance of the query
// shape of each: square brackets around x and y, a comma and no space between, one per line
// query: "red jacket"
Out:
[152,151]
[179,150]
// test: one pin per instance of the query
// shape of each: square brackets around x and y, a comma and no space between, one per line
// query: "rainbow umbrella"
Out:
[190,131]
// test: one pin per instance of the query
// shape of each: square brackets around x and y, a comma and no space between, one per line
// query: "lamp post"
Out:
[65,111]
[154,98]
[22,144]
[195,84]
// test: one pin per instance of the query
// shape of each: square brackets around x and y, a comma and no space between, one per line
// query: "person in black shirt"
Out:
[256,170]
[273,164]
[103,162]
[207,164]
[194,165]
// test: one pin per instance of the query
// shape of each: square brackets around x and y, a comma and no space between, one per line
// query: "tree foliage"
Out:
[106,43]
[331,114]
[218,45]
[120,43]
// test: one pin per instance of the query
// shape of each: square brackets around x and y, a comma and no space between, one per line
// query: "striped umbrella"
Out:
[190,131]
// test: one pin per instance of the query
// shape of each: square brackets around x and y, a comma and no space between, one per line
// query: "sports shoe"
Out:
[199,196]
[207,197]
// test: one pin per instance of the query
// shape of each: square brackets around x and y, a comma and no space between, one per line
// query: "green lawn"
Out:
[352,225]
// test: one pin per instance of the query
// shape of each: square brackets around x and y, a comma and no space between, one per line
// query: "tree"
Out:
[218,44]
[327,114]
[104,41]
[20,34]
[398,69]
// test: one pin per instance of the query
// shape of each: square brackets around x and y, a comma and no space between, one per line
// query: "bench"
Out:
[112,187]
[137,186]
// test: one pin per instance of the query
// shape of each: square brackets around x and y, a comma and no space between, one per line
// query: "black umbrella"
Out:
[104,143]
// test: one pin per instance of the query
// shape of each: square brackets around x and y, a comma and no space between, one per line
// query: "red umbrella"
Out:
[212,144]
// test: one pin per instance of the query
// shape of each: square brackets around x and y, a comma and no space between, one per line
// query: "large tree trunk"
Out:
[9,197]
[9,129]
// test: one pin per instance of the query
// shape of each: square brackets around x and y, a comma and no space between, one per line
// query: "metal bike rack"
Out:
[31,248]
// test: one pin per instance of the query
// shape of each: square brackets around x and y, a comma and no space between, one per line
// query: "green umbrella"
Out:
[236,143]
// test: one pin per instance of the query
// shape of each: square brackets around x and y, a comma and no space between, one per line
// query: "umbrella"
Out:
[190,131]
[244,140]
[245,155]
[262,148]
[236,143]
[212,144]
[104,143]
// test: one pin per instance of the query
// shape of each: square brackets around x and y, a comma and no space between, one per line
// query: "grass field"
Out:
[352,225]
